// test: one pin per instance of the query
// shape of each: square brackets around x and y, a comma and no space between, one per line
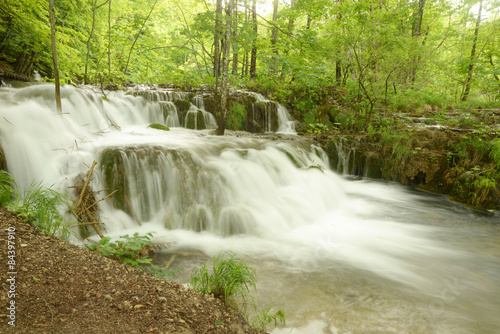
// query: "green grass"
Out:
[231,279]
[41,207]
[7,188]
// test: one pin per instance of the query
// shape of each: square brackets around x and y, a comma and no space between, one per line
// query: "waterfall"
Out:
[276,117]
[338,254]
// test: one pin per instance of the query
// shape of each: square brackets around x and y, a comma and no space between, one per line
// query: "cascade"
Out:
[339,255]
[273,115]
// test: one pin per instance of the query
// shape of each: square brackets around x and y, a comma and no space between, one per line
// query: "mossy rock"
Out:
[112,166]
[158,126]
[3,161]
[195,121]
[182,105]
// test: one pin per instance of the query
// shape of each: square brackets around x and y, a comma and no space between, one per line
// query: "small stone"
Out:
[108,297]
[138,306]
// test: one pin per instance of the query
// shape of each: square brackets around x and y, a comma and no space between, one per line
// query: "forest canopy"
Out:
[383,50]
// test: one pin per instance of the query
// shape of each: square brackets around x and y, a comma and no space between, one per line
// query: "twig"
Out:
[85,185]
[95,224]
[132,211]
[102,199]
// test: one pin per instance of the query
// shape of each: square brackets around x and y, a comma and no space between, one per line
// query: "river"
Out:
[340,255]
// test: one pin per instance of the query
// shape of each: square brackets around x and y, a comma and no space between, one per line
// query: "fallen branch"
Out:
[132,211]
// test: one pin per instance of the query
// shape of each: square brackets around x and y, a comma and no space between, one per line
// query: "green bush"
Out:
[130,250]
[236,117]
[495,152]
[127,250]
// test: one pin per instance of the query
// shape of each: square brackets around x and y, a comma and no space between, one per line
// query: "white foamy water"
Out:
[341,256]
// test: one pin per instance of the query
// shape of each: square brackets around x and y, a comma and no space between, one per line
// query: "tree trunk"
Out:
[94,8]
[468,81]
[137,36]
[416,32]
[235,51]
[253,57]
[225,70]
[338,62]
[217,33]
[54,55]
[274,35]
[109,39]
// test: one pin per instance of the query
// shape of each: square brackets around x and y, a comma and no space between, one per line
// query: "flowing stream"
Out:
[339,255]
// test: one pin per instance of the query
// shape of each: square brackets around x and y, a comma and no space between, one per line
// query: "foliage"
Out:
[41,207]
[236,117]
[317,129]
[266,317]
[127,250]
[7,188]
[130,250]
[231,280]
[495,152]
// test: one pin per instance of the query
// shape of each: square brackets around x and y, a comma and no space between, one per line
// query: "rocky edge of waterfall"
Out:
[63,288]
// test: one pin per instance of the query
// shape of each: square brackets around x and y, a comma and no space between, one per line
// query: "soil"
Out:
[59,287]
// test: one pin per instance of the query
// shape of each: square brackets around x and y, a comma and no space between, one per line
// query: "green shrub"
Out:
[236,117]
[127,250]
[495,152]
[130,251]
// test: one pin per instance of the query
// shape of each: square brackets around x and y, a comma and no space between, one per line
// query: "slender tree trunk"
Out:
[54,56]
[109,39]
[225,69]
[468,81]
[253,57]
[217,33]
[195,54]
[137,36]
[338,62]
[85,78]
[291,23]
[416,32]
[235,50]
[274,35]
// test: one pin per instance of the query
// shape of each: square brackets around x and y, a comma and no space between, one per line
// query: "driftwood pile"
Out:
[85,209]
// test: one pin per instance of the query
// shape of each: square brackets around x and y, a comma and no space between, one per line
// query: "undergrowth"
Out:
[38,205]
[131,250]
[232,280]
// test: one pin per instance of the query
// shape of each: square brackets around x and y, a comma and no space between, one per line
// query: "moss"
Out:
[3,161]
[112,166]
[182,105]
[158,127]
[196,121]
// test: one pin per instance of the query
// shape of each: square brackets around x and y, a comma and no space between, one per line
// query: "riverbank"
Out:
[59,287]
